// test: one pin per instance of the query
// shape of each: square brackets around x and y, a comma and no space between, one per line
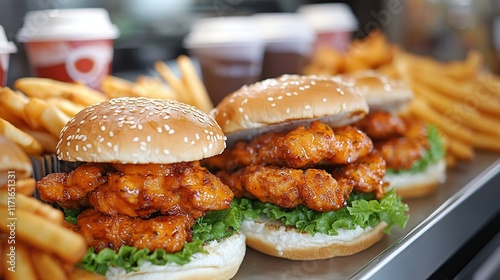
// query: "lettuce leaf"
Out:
[362,210]
[435,153]
[215,225]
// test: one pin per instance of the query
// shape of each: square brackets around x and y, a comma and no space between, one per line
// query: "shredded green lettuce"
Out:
[435,153]
[215,225]
[362,210]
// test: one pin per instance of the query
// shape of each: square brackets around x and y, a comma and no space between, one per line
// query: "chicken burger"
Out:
[309,184]
[145,206]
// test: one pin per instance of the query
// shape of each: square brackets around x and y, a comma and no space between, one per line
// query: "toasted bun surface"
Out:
[289,100]
[382,93]
[13,159]
[285,242]
[414,185]
[222,262]
[140,130]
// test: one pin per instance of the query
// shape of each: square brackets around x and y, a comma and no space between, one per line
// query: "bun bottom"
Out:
[222,262]
[414,185]
[281,241]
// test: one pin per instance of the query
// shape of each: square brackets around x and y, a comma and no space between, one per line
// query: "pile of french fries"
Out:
[34,112]
[34,242]
[458,97]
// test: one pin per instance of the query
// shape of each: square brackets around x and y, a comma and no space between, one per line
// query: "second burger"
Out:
[310,186]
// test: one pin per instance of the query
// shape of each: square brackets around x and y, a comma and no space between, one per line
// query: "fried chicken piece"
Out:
[103,231]
[179,188]
[382,125]
[288,187]
[366,174]
[304,147]
[71,188]
[401,153]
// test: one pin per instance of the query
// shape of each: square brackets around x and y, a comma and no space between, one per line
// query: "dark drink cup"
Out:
[230,51]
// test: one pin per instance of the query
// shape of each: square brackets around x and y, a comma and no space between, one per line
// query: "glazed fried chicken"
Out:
[315,166]
[366,175]
[104,231]
[288,187]
[139,190]
[304,147]
[401,142]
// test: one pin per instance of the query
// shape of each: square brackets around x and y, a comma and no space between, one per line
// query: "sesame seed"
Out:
[115,148]
[165,151]
[84,148]
[287,110]
[111,134]
[171,131]
[324,99]
[109,144]
[197,136]
[185,139]
[270,98]
[135,139]
[159,130]
[76,147]
[148,138]
[103,128]
[307,107]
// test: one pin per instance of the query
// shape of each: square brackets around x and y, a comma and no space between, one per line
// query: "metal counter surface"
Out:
[439,224]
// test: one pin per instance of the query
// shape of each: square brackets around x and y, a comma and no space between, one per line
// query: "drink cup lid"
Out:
[276,27]
[6,46]
[215,31]
[67,24]
[329,17]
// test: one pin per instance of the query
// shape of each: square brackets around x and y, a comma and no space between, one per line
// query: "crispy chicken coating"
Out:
[104,231]
[140,190]
[382,125]
[304,147]
[366,174]
[401,142]
[288,187]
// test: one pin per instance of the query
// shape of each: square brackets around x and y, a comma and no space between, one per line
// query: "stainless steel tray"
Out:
[439,224]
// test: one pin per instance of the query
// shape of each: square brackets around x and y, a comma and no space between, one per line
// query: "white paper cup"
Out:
[289,42]
[334,24]
[6,48]
[71,45]
[230,52]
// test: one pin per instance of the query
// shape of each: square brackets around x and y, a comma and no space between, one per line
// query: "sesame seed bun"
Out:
[14,160]
[381,92]
[291,101]
[140,130]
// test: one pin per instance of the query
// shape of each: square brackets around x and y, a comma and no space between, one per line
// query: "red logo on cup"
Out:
[89,63]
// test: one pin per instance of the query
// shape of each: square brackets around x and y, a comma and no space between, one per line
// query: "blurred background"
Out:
[153,30]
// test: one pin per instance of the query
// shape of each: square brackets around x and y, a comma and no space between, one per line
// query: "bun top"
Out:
[140,130]
[381,92]
[289,100]
[13,158]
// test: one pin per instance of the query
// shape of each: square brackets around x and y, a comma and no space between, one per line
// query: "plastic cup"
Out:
[289,42]
[230,51]
[6,48]
[71,45]
[334,24]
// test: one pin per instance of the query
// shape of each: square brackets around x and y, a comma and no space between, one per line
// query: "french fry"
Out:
[25,186]
[46,139]
[32,111]
[469,93]
[24,265]
[29,144]
[191,80]
[13,102]
[53,120]
[47,266]
[447,125]
[66,106]
[486,141]
[66,244]
[46,88]
[37,207]
[117,87]
[176,84]
[154,87]
[460,150]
